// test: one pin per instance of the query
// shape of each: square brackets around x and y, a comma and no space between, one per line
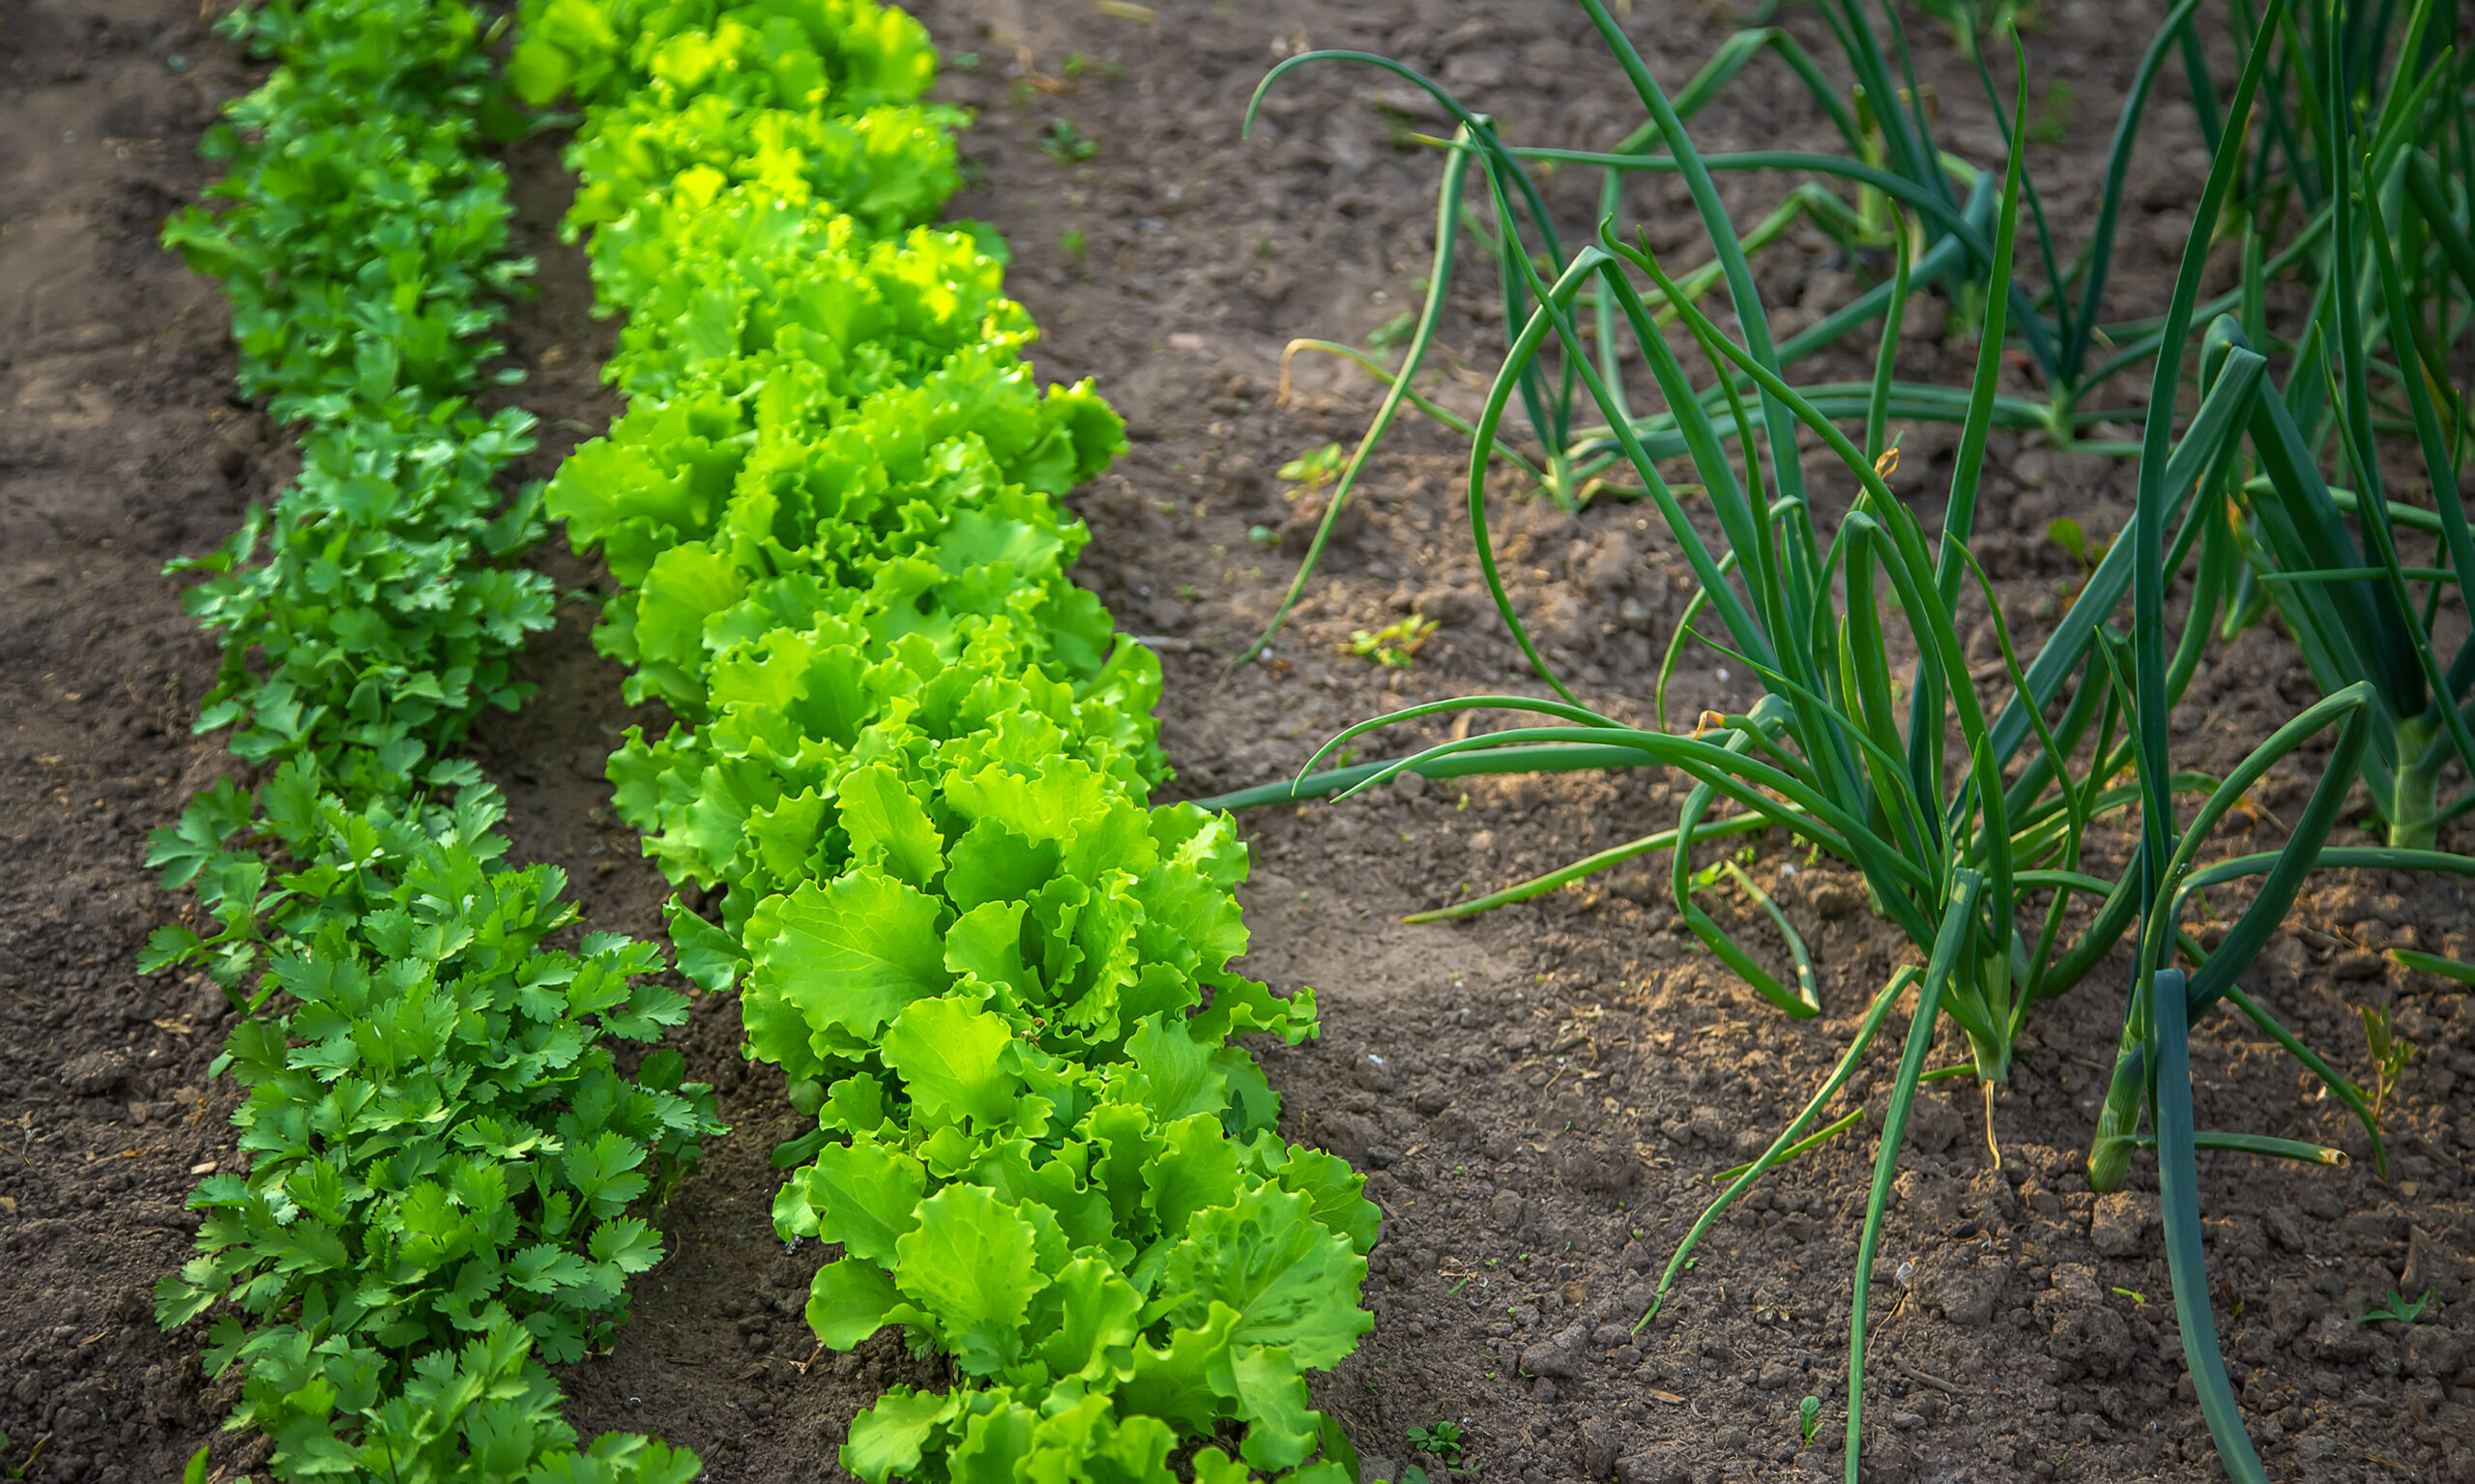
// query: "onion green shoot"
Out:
[1965,814]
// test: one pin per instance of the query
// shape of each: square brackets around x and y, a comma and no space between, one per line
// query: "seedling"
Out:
[1311,470]
[1393,332]
[36,1452]
[2389,1055]
[1072,245]
[1395,646]
[1065,144]
[1808,1418]
[1440,1441]
[2399,1310]
[2066,532]
[2134,1295]
[2053,123]
[1106,69]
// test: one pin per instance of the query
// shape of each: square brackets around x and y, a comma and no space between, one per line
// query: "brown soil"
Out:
[1539,1095]
[121,448]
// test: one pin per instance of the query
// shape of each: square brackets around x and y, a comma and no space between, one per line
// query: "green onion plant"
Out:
[1906,199]
[1970,814]
[2379,166]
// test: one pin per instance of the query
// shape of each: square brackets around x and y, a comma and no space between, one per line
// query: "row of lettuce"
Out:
[909,772]
[441,1151]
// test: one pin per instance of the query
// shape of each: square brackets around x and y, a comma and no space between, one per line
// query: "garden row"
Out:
[442,1154]
[910,764]
[913,754]
[1966,780]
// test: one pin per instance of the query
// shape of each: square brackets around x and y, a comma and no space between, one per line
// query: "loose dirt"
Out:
[121,448]
[1539,1095]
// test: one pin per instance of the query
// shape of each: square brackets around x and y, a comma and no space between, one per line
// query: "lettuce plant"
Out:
[909,773]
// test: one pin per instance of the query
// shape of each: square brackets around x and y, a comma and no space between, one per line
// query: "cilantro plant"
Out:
[433,1104]
[362,236]
[443,1163]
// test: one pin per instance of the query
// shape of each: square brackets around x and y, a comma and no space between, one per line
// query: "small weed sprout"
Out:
[2389,1055]
[2399,1310]
[22,1470]
[1311,470]
[1394,646]
[1440,1441]
[1065,144]
[2067,533]
[1072,243]
[1808,1418]
[2053,123]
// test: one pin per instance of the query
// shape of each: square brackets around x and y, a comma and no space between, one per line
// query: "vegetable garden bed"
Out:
[1536,1097]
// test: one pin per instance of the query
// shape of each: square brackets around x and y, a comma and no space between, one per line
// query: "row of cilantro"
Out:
[441,1147]
[913,758]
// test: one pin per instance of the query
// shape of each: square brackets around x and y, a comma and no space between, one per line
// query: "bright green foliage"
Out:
[440,1145]
[376,627]
[915,757]
[442,1155]
[365,248]
[485,1413]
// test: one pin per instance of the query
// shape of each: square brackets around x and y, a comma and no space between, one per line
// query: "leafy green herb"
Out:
[1441,1438]
[443,1162]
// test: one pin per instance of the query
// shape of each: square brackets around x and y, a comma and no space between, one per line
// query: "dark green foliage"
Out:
[443,1160]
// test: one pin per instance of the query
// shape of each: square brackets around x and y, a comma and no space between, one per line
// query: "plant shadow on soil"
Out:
[1538,1097]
